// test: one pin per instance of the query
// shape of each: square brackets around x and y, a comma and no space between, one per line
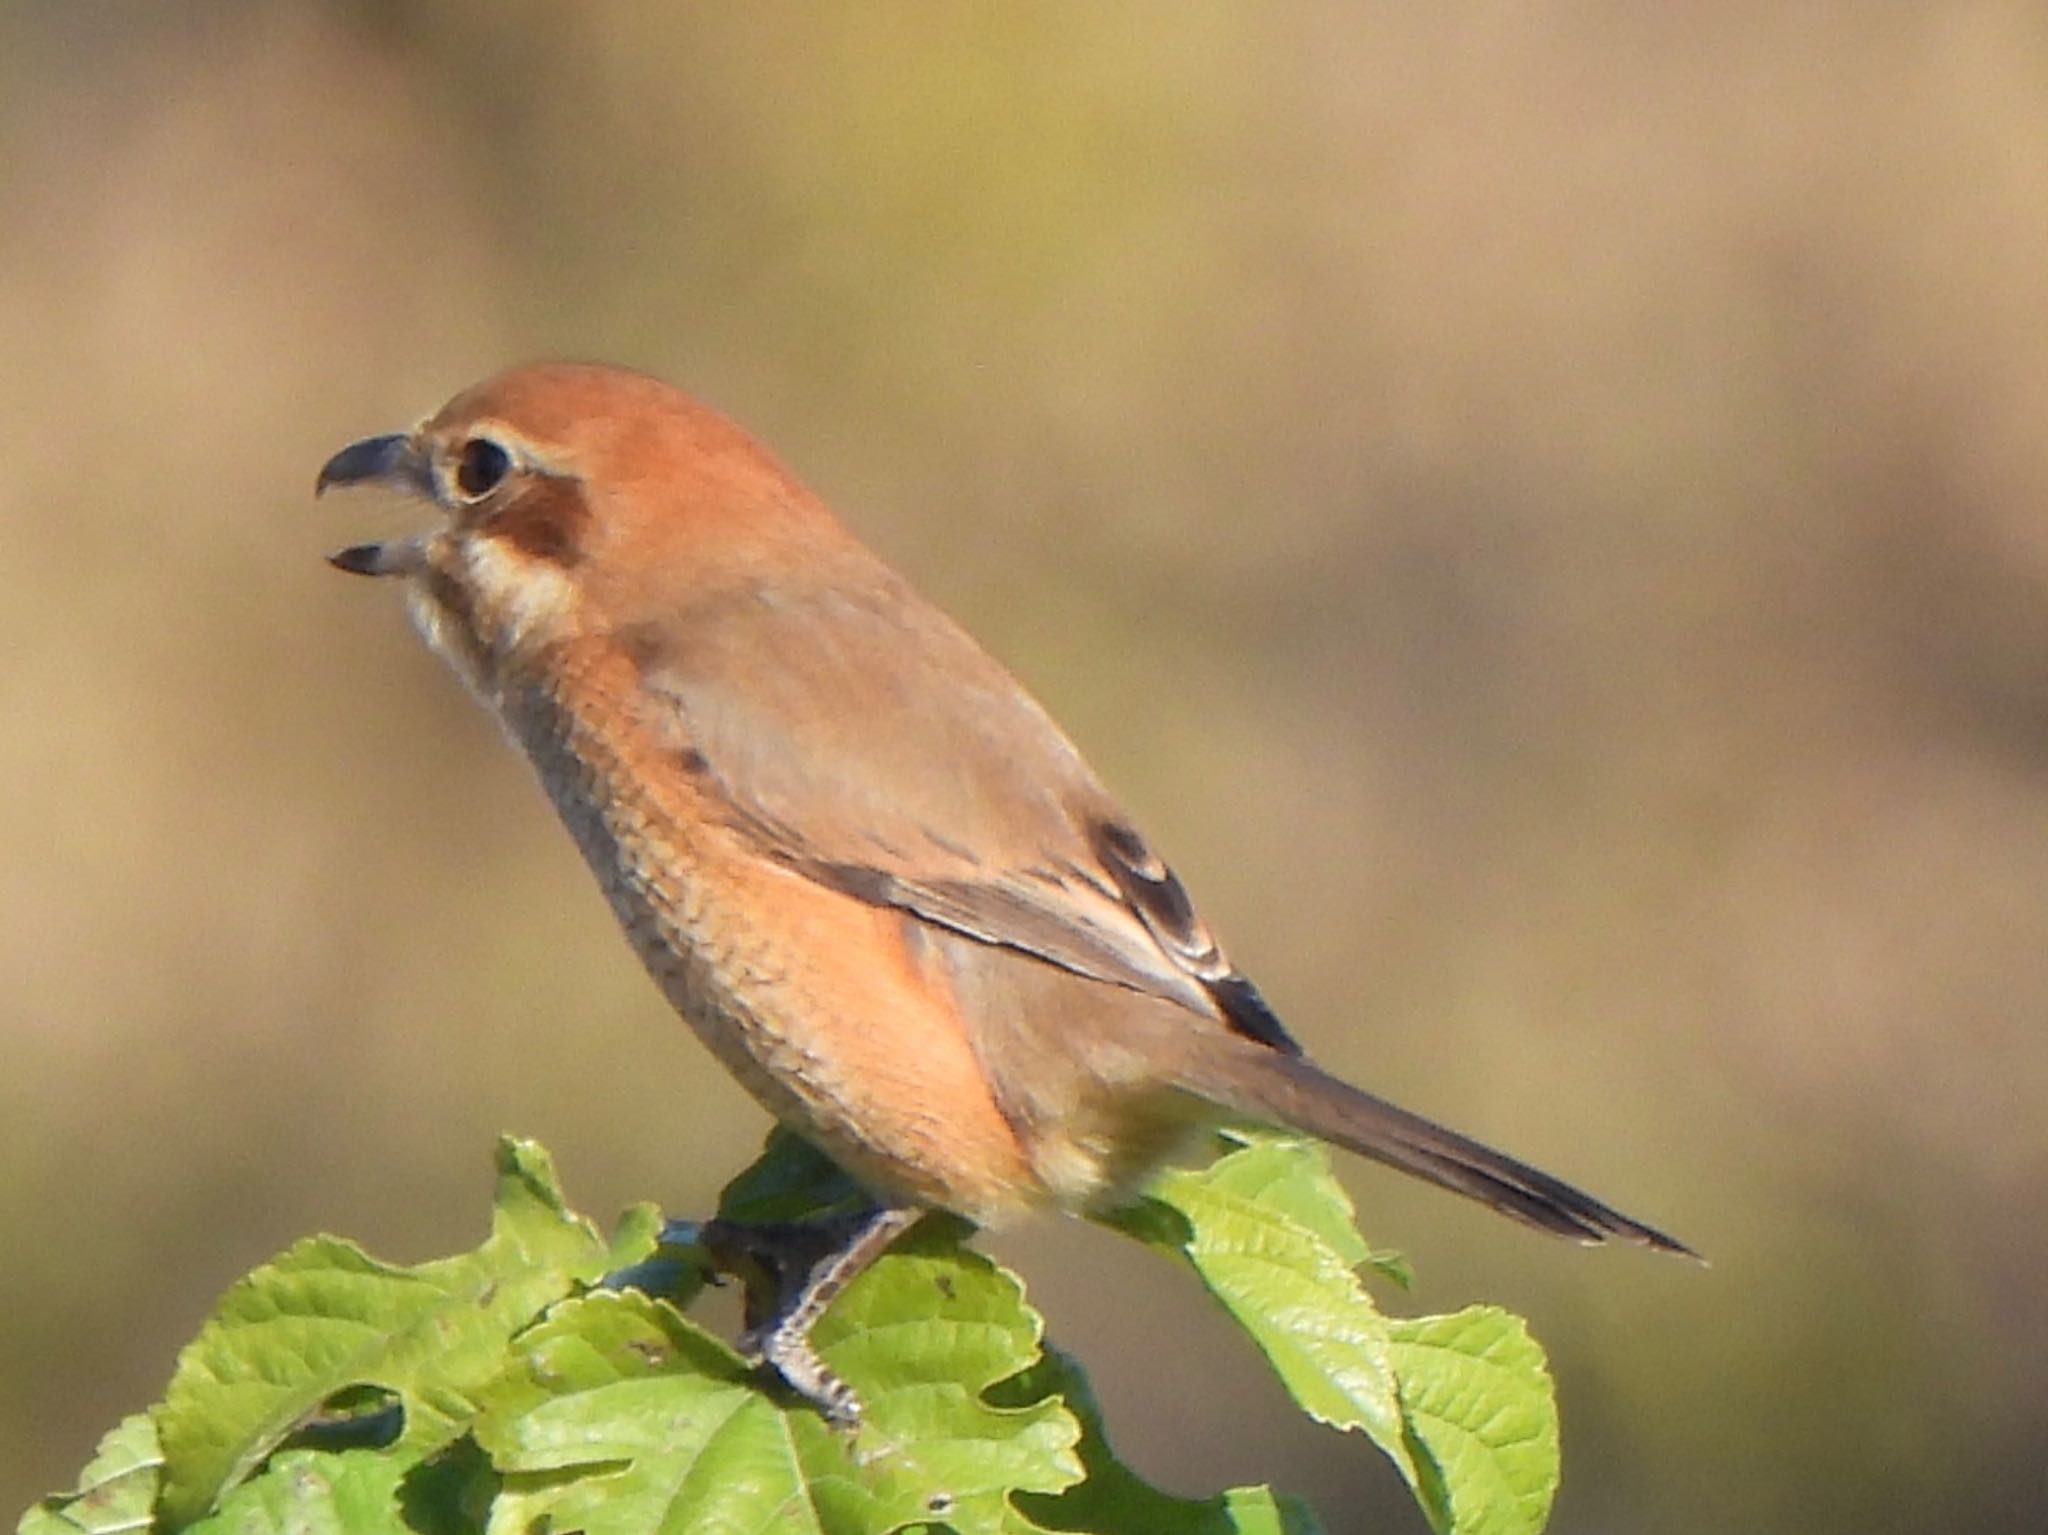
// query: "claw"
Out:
[792,1274]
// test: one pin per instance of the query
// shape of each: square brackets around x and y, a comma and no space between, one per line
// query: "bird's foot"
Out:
[792,1272]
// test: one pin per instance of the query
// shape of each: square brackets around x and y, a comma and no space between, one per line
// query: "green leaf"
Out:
[1482,1410]
[922,1337]
[450,1493]
[116,1491]
[325,1318]
[627,1417]
[790,1181]
[621,1415]
[1270,1232]
[500,1391]
[635,1237]
[1112,1499]
[308,1492]
[1462,1404]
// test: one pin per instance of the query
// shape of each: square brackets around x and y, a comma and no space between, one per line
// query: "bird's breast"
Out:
[811,998]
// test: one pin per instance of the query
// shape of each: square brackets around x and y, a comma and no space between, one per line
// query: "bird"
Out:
[857,857]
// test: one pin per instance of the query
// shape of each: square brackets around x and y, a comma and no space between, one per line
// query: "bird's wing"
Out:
[860,738]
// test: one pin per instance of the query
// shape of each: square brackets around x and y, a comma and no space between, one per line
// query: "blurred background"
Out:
[1539,509]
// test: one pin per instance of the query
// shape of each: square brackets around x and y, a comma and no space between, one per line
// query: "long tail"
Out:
[1269,1085]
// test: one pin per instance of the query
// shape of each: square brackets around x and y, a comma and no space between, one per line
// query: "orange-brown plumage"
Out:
[813,1001]
[857,856]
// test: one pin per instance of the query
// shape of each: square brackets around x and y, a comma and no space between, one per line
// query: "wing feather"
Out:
[861,739]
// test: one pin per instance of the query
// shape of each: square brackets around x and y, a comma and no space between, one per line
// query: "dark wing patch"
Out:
[1156,894]
[1246,1012]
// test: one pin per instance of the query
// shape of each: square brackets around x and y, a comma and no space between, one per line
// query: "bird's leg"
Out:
[792,1271]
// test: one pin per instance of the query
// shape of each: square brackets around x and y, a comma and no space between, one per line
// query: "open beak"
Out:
[395,462]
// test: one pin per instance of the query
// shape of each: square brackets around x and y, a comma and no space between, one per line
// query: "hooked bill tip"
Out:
[388,459]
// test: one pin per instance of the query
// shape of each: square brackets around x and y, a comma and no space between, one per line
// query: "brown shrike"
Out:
[857,857]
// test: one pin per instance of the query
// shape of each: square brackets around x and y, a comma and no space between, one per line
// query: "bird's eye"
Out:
[482,466]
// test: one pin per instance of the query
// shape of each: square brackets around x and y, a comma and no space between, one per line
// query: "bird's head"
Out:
[574,500]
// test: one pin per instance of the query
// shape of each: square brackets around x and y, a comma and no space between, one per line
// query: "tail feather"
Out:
[1266,1084]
